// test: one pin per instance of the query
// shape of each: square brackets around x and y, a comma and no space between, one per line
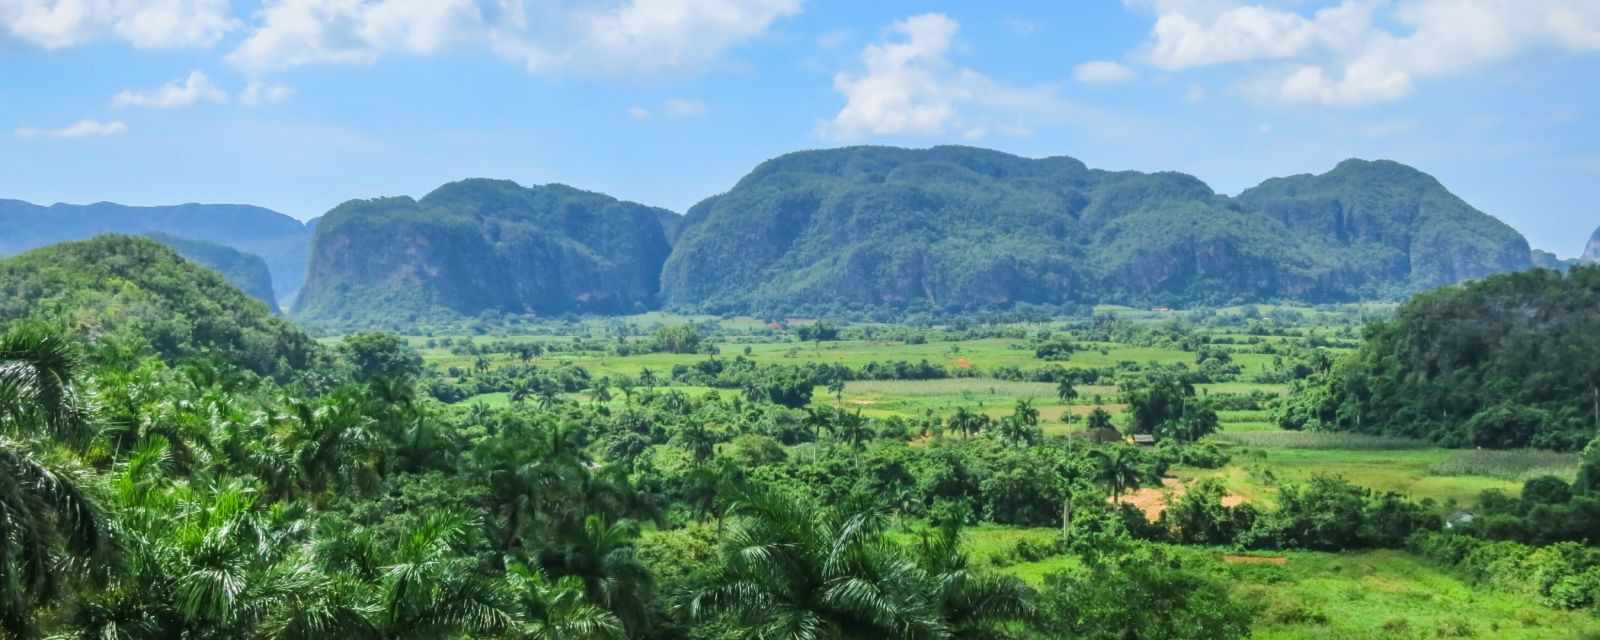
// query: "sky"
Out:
[299,105]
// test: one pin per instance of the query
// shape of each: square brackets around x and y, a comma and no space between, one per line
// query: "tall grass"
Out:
[1517,464]
[1320,440]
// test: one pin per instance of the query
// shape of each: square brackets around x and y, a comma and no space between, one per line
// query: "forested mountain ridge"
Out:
[247,272]
[1390,223]
[137,290]
[958,227]
[478,245]
[280,240]
[1510,361]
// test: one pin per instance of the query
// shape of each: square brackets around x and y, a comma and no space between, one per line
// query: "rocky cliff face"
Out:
[482,245]
[954,227]
[1592,252]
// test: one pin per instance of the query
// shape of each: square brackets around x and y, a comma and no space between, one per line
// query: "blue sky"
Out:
[298,105]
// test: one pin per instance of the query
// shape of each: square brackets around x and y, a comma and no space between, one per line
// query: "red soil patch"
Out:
[1153,500]
[961,363]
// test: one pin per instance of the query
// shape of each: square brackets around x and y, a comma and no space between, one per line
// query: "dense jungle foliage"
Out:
[1506,362]
[174,480]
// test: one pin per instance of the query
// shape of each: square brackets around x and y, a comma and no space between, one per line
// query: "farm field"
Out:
[1297,595]
[1362,594]
[1264,457]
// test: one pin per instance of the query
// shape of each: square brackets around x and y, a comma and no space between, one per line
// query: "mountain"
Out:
[671,224]
[279,239]
[483,245]
[1592,252]
[1506,362]
[958,227]
[1546,260]
[129,287]
[245,271]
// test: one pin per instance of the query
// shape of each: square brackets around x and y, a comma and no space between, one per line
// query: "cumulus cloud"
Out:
[909,87]
[79,129]
[587,35]
[194,89]
[1102,72]
[635,36]
[146,24]
[258,94]
[1360,51]
[292,33]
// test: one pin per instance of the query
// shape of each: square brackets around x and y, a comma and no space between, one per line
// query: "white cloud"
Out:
[613,36]
[1102,72]
[258,93]
[79,129]
[679,108]
[910,88]
[291,33]
[146,24]
[638,113]
[194,89]
[1361,51]
[633,36]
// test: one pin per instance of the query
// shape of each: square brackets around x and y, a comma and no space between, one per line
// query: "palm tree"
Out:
[1026,413]
[790,571]
[818,419]
[965,422]
[557,610]
[837,389]
[549,395]
[854,429]
[1066,391]
[38,390]
[522,390]
[1121,469]
[334,443]
[1015,429]
[647,378]
[972,603]
[431,589]
[600,555]
[48,524]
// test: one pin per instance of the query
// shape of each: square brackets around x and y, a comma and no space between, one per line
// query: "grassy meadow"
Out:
[1300,595]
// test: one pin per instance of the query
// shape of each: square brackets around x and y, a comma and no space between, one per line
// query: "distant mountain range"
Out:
[855,229]
[956,227]
[283,242]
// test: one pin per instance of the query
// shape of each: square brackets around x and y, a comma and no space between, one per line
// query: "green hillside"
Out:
[1390,225]
[280,240]
[1510,361]
[483,245]
[955,227]
[123,287]
[246,271]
